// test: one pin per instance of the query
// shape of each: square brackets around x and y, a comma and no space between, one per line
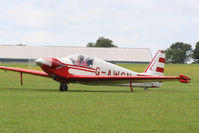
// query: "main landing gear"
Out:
[63,87]
[146,88]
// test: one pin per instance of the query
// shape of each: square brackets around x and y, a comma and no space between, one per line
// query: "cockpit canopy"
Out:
[81,60]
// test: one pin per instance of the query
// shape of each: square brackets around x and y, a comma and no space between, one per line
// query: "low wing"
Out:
[126,79]
[106,79]
[33,72]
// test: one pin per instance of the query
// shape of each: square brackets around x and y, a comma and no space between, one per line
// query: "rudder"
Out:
[156,66]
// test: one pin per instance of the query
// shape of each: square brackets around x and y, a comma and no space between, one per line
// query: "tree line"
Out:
[178,52]
[102,42]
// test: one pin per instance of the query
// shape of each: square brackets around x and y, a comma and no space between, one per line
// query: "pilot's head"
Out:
[80,58]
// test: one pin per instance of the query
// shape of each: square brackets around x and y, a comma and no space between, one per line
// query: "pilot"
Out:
[80,61]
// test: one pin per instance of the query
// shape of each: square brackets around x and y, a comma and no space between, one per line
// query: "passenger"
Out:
[80,61]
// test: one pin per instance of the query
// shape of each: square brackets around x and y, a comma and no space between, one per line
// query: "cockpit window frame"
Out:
[82,60]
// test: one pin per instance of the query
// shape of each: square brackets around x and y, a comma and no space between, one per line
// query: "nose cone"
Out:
[40,62]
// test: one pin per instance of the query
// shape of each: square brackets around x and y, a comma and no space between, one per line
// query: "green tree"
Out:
[102,42]
[178,52]
[90,44]
[196,53]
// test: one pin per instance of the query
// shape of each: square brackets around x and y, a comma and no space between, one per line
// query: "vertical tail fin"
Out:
[156,66]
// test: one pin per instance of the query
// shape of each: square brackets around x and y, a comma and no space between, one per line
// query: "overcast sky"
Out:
[150,24]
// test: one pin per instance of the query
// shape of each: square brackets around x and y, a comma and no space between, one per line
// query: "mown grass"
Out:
[38,106]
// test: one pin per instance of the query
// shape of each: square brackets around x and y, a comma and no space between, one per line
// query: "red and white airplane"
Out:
[88,70]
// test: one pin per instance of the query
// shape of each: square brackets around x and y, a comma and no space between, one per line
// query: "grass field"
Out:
[38,106]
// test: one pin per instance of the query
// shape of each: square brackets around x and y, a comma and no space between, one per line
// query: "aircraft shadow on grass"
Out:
[92,91]
[122,91]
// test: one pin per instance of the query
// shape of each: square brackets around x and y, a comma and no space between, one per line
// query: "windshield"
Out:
[81,60]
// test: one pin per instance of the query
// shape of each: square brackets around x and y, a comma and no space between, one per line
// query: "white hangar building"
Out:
[13,53]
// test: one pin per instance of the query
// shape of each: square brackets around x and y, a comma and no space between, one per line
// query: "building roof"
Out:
[108,54]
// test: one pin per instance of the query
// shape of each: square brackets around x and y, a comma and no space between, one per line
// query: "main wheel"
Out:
[63,87]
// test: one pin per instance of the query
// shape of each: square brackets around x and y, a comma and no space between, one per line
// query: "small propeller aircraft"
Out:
[84,69]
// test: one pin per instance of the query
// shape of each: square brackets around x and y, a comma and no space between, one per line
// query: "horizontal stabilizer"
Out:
[184,79]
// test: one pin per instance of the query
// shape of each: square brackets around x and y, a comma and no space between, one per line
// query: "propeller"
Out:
[31,63]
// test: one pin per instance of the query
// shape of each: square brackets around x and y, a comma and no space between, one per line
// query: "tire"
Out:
[63,87]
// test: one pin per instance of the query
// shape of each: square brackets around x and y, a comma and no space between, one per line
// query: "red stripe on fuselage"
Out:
[82,69]
[81,66]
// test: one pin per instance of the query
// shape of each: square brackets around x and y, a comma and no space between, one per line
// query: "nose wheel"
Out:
[63,87]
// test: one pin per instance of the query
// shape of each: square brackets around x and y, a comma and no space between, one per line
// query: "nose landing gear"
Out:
[63,87]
